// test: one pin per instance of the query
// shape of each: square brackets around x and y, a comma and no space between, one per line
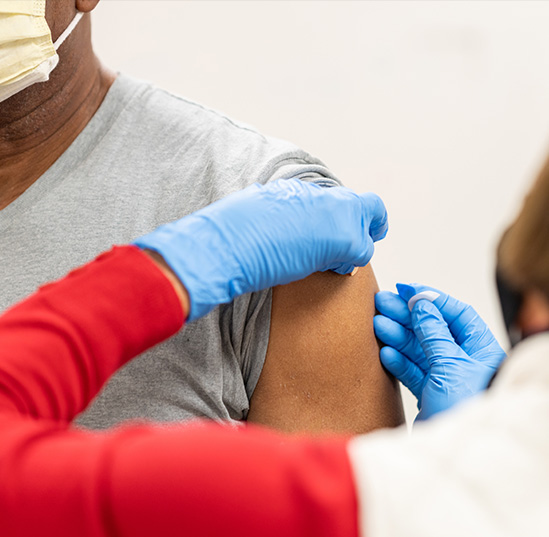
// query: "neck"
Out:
[39,124]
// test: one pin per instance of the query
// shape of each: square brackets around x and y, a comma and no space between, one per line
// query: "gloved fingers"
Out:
[465,324]
[343,223]
[450,307]
[403,369]
[400,338]
[360,220]
[407,291]
[375,215]
[433,334]
[393,306]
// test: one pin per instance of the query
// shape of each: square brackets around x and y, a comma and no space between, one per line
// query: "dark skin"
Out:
[322,370]
[38,124]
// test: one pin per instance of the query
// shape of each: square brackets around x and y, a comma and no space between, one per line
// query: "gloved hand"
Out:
[443,352]
[268,235]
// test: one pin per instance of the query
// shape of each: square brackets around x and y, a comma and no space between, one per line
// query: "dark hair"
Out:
[523,252]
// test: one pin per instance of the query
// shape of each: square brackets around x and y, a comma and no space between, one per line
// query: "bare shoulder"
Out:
[322,370]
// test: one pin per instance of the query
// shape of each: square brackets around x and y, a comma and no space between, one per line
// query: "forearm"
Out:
[59,346]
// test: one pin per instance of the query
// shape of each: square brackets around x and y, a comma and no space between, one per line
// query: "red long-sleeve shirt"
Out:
[57,348]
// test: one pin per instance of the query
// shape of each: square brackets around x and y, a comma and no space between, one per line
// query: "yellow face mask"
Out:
[27,52]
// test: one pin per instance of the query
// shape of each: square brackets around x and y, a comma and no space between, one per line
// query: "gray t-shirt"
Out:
[148,157]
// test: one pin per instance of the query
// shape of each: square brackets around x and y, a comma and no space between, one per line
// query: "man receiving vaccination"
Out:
[89,158]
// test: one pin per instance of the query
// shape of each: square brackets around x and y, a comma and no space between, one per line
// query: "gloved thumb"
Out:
[433,333]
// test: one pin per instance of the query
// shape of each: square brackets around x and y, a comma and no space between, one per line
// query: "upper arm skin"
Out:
[322,371]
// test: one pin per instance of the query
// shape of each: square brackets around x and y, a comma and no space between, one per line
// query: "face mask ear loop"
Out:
[68,30]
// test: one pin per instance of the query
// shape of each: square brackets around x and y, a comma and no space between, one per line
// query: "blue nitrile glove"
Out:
[442,351]
[268,235]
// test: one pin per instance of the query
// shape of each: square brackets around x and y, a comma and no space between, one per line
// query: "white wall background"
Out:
[441,107]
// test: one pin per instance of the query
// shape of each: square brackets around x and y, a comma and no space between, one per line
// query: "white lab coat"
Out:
[481,469]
